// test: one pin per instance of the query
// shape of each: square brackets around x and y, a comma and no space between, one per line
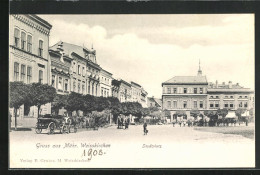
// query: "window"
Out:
[79,69]
[89,87]
[83,71]
[40,48]
[168,104]
[53,80]
[29,74]
[231,97]
[201,104]
[29,43]
[16,37]
[102,92]
[16,71]
[22,73]
[245,96]
[23,41]
[83,87]
[226,105]
[92,89]
[216,104]
[240,104]
[226,96]
[40,76]
[195,104]
[168,90]
[211,96]
[195,90]
[211,105]
[217,96]
[74,67]
[96,90]
[60,83]
[74,85]
[185,91]
[245,104]
[79,87]
[185,104]
[175,104]
[231,105]
[201,90]
[240,96]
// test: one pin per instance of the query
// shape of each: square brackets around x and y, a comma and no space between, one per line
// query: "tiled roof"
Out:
[187,80]
[69,48]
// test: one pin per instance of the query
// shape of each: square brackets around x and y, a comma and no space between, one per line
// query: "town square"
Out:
[148,91]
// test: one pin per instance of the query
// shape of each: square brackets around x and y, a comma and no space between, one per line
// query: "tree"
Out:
[89,103]
[101,103]
[75,102]
[58,102]
[145,112]
[18,97]
[153,108]
[41,94]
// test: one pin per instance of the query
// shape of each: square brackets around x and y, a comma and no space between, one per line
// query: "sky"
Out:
[151,49]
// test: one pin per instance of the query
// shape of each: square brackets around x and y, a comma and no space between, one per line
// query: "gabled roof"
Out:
[187,80]
[157,101]
[69,48]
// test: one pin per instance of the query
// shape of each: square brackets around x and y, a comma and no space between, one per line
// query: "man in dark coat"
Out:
[145,128]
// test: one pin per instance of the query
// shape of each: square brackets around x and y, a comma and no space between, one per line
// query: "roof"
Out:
[158,101]
[135,84]
[69,48]
[40,21]
[187,80]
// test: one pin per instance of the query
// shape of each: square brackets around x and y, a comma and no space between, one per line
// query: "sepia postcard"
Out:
[131,91]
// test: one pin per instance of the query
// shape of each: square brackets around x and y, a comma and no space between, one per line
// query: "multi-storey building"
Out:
[60,70]
[105,83]
[144,98]
[84,70]
[29,59]
[125,91]
[188,93]
[136,92]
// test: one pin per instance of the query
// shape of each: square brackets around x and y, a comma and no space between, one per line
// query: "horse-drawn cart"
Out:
[52,123]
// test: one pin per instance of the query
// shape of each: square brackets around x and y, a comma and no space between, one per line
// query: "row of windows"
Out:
[226,96]
[60,83]
[24,73]
[173,104]
[104,92]
[24,41]
[185,90]
[105,80]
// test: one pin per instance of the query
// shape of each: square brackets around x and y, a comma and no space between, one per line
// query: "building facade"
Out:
[186,93]
[144,98]
[29,60]
[136,92]
[84,70]
[125,91]
[105,83]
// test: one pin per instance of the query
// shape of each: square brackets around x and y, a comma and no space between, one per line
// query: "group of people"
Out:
[123,121]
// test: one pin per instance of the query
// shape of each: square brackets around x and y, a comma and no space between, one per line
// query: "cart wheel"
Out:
[51,128]
[38,131]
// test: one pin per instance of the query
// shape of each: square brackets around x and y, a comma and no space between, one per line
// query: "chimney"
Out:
[230,84]
[216,83]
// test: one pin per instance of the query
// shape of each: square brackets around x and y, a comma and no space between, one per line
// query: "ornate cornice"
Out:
[28,19]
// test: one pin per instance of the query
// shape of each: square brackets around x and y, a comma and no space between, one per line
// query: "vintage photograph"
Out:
[132,91]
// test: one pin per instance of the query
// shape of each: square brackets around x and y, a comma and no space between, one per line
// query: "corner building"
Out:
[186,93]
[29,60]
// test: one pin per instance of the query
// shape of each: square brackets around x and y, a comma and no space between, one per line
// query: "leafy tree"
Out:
[41,94]
[239,112]
[153,108]
[18,96]
[101,103]
[75,102]
[145,112]
[89,103]
[58,102]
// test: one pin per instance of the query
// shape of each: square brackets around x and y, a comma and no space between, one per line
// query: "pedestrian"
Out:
[145,128]
[118,122]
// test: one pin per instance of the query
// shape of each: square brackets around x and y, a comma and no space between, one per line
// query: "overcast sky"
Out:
[150,49]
